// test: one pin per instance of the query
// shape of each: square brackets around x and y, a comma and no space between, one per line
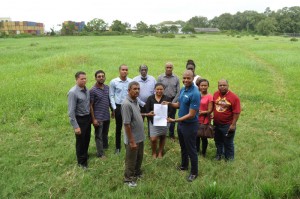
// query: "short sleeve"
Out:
[126,113]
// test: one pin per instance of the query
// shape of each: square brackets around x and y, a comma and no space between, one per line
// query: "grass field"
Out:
[38,147]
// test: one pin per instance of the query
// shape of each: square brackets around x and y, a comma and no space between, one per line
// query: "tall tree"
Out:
[188,29]
[152,29]
[164,29]
[223,22]
[198,22]
[96,25]
[142,27]
[174,29]
[68,28]
[288,19]
[266,26]
[118,26]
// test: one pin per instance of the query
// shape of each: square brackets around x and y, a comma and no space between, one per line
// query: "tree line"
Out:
[285,20]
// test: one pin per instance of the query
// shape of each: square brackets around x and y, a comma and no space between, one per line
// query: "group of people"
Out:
[132,100]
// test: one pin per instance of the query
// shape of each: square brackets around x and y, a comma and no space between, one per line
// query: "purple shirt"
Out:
[100,98]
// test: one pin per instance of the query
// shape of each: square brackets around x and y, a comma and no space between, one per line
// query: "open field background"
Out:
[37,157]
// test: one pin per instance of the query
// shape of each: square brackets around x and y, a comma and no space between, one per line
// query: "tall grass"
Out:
[37,144]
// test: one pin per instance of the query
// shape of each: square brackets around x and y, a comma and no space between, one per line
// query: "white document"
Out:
[161,115]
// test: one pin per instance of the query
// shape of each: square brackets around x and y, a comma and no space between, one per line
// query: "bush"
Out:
[294,39]
[168,35]
[182,37]
[256,38]
[111,33]
[22,35]
[138,35]
[193,36]
[238,36]
[3,35]
[34,44]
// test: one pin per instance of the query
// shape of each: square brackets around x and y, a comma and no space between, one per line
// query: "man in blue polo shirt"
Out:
[188,104]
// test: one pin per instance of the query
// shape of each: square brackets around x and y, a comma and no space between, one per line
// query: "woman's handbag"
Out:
[206,131]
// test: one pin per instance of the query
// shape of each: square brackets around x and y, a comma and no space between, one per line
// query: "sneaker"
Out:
[192,177]
[181,168]
[218,158]
[131,184]
[84,167]
[139,176]
[102,157]
[117,151]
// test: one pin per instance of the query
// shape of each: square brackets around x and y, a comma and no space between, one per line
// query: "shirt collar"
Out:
[81,89]
[189,88]
[97,86]
[119,79]
[131,100]
[168,76]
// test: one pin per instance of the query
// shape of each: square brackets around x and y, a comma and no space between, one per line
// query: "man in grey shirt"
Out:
[172,90]
[80,119]
[134,135]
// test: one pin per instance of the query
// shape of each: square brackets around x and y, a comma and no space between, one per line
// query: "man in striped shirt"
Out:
[99,104]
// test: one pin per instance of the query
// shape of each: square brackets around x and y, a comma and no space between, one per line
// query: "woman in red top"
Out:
[206,107]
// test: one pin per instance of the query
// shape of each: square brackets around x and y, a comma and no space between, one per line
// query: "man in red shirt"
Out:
[227,109]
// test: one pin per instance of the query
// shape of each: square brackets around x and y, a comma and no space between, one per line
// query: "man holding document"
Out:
[158,124]
[188,104]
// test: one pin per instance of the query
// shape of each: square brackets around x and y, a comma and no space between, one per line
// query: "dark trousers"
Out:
[187,133]
[133,162]
[83,140]
[105,133]
[204,145]
[224,141]
[119,124]
[172,124]
[101,139]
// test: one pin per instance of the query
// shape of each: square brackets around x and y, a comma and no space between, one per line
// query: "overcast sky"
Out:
[53,12]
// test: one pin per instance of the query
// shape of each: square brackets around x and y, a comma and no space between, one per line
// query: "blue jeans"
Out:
[224,141]
[187,133]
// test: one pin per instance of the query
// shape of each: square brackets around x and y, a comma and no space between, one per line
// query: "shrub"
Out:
[238,36]
[294,39]
[112,33]
[22,35]
[34,44]
[256,38]
[3,35]
[193,36]
[168,35]
[138,36]
[182,37]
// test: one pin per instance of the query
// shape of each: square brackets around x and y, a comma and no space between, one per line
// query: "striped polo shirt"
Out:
[100,98]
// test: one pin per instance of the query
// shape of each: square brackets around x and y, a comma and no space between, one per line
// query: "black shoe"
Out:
[180,168]
[117,151]
[192,177]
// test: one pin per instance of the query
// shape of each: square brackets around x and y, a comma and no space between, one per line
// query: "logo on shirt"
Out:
[222,104]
